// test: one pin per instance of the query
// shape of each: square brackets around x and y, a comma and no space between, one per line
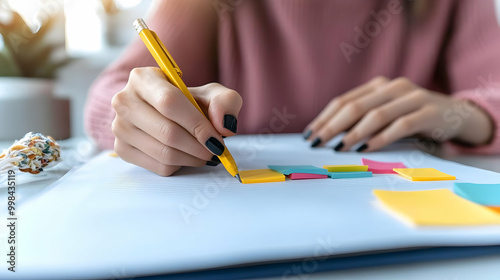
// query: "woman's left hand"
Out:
[383,111]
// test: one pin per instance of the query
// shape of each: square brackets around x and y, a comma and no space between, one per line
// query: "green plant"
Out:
[24,53]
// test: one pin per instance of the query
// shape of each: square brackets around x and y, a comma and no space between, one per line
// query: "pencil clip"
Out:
[177,69]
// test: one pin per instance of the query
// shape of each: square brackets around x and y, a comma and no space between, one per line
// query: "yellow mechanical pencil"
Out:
[174,74]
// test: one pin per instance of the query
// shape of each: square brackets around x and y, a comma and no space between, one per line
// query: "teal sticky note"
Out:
[346,175]
[484,194]
[289,169]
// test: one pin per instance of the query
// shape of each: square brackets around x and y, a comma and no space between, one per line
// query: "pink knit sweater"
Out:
[288,58]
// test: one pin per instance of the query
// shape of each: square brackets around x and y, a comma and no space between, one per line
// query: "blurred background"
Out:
[50,52]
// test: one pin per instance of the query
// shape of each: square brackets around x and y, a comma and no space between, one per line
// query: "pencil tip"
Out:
[237,176]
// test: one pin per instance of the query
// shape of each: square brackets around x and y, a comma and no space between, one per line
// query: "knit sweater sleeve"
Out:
[473,63]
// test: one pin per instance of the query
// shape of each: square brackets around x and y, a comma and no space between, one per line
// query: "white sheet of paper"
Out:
[112,219]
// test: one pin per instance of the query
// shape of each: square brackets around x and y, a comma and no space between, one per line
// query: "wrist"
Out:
[478,127]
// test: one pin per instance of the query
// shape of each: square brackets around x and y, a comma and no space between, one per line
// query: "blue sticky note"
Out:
[289,169]
[484,194]
[345,175]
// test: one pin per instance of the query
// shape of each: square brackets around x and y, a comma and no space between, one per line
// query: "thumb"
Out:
[221,105]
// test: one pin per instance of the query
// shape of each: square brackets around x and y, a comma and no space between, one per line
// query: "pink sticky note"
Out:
[300,176]
[380,167]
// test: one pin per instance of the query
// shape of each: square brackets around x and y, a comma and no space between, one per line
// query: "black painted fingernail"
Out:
[339,146]
[316,142]
[212,163]
[214,146]
[231,123]
[215,159]
[307,134]
[362,148]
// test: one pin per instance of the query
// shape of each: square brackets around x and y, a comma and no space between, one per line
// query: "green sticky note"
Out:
[289,169]
[345,175]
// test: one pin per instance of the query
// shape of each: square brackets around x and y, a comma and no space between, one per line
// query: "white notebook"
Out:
[111,219]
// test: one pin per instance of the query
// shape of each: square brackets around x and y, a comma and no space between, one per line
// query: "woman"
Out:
[380,70]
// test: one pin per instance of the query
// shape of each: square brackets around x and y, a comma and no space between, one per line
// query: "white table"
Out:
[77,150]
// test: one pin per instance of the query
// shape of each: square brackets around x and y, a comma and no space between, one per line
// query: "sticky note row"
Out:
[276,173]
[298,172]
[436,208]
[310,169]
[414,174]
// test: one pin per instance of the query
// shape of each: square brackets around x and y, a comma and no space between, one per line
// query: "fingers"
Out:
[164,131]
[402,127]
[338,103]
[382,116]
[223,106]
[156,126]
[354,110]
[134,156]
[170,102]
[148,145]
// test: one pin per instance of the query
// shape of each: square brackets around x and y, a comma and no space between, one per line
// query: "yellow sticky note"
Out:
[423,174]
[260,176]
[436,208]
[346,168]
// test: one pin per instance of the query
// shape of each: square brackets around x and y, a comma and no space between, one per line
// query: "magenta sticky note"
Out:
[300,176]
[380,167]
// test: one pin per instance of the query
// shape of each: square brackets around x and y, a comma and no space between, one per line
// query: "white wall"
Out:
[75,79]
[497,8]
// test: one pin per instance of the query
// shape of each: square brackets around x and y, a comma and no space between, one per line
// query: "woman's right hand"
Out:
[156,127]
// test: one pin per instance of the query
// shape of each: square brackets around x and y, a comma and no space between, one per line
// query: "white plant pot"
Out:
[27,104]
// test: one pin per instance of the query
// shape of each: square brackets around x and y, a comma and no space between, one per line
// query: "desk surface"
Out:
[80,149]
